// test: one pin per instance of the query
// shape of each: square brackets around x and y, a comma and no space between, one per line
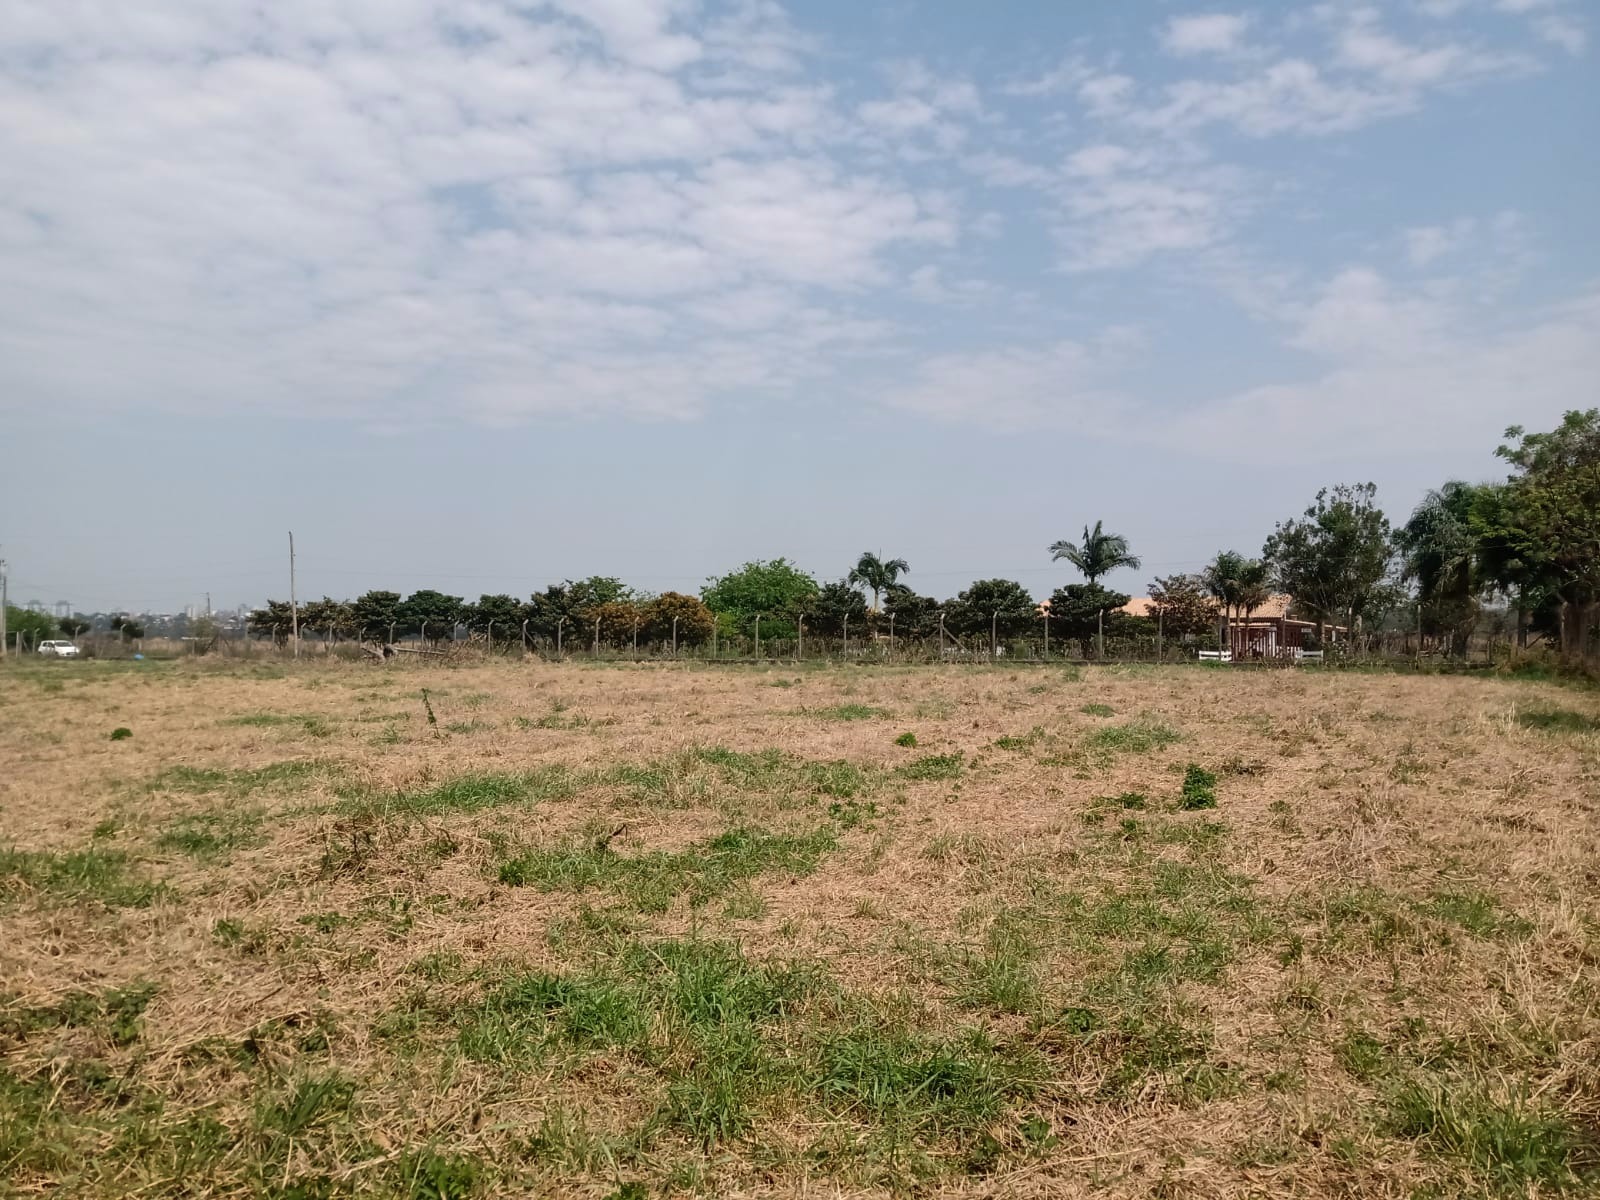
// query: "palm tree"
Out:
[1442,554]
[1098,554]
[1241,585]
[876,575]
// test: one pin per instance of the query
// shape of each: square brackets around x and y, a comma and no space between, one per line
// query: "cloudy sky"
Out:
[479,295]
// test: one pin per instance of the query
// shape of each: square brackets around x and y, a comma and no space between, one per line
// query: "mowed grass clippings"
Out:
[640,931]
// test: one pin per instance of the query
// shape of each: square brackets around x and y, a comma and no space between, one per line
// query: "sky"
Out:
[479,296]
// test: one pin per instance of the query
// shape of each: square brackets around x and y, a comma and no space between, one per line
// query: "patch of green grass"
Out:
[214,832]
[278,776]
[651,881]
[468,727]
[115,1014]
[1199,789]
[96,873]
[934,766]
[1361,1054]
[1025,741]
[470,793]
[1558,720]
[847,712]
[1511,1140]
[304,1105]
[428,1175]
[1098,710]
[310,724]
[1004,975]
[1134,737]
[1478,913]
[907,739]
[121,733]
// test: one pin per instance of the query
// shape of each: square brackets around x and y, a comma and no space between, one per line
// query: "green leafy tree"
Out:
[1183,605]
[877,574]
[74,626]
[835,604]
[130,629]
[1440,545]
[571,605]
[498,613]
[275,619]
[1079,610]
[1555,502]
[775,590]
[376,613]
[35,627]
[335,618]
[695,620]
[430,613]
[1097,554]
[913,616]
[999,605]
[1336,557]
[1512,562]
[1240,585]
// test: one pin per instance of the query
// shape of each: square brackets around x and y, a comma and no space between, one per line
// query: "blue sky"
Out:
[478,296]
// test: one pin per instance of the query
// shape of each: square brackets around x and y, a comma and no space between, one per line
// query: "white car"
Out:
[58,649]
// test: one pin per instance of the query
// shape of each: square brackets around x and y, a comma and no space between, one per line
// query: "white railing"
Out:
[1216,655]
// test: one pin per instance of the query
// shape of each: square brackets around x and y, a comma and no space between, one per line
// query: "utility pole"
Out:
[2,608]
[294,607]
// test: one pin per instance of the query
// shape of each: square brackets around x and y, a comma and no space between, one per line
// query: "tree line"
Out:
[1531,541]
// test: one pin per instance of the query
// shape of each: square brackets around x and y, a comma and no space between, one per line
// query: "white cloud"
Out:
[1205,33]
[1405,371]
[423,210]
[1429,242]
[1066,384]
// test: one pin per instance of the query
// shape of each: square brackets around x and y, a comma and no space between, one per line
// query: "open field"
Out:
[626,931]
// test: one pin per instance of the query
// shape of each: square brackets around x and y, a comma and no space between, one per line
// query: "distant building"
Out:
[1270,630]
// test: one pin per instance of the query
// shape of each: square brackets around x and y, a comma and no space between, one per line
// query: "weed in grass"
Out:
[1134,737]
[1558,720]
[472,726]
[121,733]
[96,873]
[1098,710]
[1199,789]
[934,766]
[213,833]
[1511,1140]
[907,739]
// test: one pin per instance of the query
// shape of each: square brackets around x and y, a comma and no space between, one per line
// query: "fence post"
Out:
[1047,637]
[674,637]
[524,637]
[597,637]
[994,634]
[799,637]
[758,637]
[891,635]
[941,637]
[845,650]
[636,639]
[562,621]
[491,639]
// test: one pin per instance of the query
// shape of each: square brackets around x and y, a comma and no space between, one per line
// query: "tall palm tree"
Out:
[1240,585]
[1097,554]
[877,575]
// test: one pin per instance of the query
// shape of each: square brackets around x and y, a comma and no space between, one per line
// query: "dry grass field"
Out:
[630,931]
